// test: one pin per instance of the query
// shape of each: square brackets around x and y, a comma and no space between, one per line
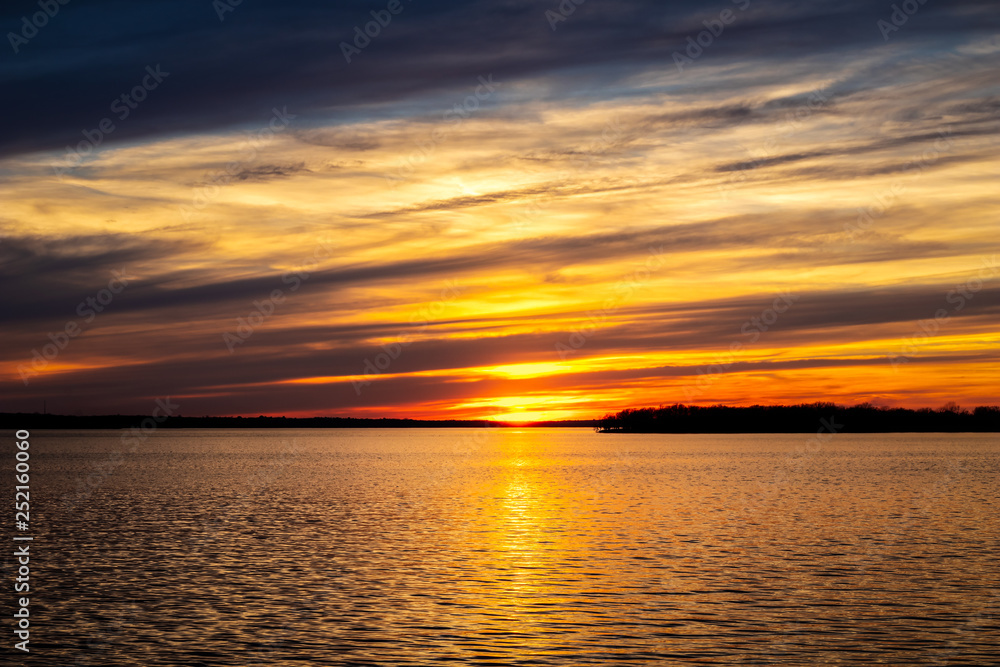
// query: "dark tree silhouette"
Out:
[804,418]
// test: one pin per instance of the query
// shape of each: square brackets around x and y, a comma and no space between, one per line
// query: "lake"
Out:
[512,547]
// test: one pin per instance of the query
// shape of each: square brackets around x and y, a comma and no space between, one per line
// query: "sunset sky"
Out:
[498,208]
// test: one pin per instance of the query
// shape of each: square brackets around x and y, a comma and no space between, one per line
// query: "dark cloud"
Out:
[199,364]
[941,142]
[44,277]
[269,172]
[230,73]
[47,278]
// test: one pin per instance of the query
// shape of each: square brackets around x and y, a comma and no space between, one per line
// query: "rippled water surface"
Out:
[507,547]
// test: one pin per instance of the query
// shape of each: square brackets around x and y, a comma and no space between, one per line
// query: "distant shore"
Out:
[805,418]
[37,420]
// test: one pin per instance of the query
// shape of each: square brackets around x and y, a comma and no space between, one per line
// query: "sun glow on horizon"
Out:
[553,255]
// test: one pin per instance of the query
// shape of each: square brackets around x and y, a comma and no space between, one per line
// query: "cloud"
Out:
[268,172]
[287,53]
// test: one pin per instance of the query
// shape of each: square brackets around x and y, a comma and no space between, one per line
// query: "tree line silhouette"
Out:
[802,418]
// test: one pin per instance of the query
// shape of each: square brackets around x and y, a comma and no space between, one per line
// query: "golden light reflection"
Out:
[525,536]
[536,531]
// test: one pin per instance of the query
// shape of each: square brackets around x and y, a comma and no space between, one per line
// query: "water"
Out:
[509,547]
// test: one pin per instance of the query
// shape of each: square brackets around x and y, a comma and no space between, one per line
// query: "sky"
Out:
[497,209]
